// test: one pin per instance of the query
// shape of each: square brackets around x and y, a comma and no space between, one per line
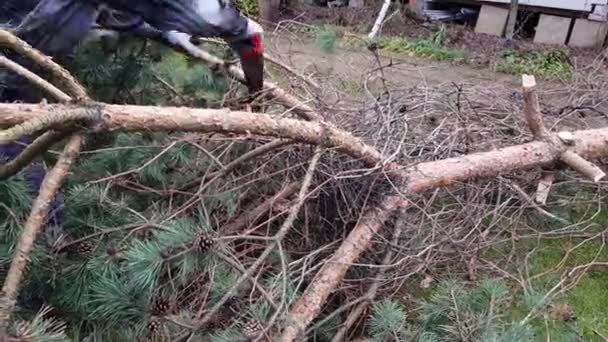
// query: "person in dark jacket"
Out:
[56,27]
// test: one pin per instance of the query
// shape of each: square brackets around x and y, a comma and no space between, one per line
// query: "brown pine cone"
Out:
[203,242]
[253,329]
[153,326]
[161,306]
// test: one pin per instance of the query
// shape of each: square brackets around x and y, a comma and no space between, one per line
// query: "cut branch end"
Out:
[583,166]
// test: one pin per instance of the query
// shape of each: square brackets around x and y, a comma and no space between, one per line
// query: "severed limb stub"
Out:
[544,187]
[534,120]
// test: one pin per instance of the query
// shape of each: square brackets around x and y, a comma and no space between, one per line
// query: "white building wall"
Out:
[574,5]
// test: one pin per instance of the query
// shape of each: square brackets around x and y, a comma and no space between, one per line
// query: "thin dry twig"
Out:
[278,237]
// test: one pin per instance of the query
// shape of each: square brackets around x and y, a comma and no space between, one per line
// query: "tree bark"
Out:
[134,118]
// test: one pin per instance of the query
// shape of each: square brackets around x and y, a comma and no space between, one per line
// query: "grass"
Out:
[552,64]
[589,298]
[326,38]
[549,64]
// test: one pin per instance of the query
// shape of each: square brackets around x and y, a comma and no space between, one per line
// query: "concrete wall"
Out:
[573,5]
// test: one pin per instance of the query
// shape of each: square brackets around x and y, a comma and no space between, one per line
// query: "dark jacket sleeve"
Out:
[57,26]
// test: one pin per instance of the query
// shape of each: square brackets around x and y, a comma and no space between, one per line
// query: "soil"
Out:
[481,49]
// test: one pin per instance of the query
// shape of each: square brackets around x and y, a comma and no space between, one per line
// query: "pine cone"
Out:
[253,329]
[81,248]
[85,247]
[161,306]
[153,326]
[203,242]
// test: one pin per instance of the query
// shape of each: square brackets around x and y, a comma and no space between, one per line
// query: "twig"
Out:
[255,284]
[241,160]
[278,237]
[251,216]
[530,201]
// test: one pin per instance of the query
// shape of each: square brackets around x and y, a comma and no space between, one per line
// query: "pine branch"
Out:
[277,238]
[309,305]
[48,121]
[50,186]
[371,292]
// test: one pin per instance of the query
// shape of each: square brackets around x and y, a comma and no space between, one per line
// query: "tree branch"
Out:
[50,185]
[309,305]
[534,119]
[133,118]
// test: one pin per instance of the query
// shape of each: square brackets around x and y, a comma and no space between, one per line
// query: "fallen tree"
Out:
[414,179]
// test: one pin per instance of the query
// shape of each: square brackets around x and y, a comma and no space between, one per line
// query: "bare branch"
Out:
[583,166]
[123,117]
[544,187]
[531,110]
[35,79]
[13,42]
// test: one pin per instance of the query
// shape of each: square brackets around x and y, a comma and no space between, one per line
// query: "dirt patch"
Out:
[480,49]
